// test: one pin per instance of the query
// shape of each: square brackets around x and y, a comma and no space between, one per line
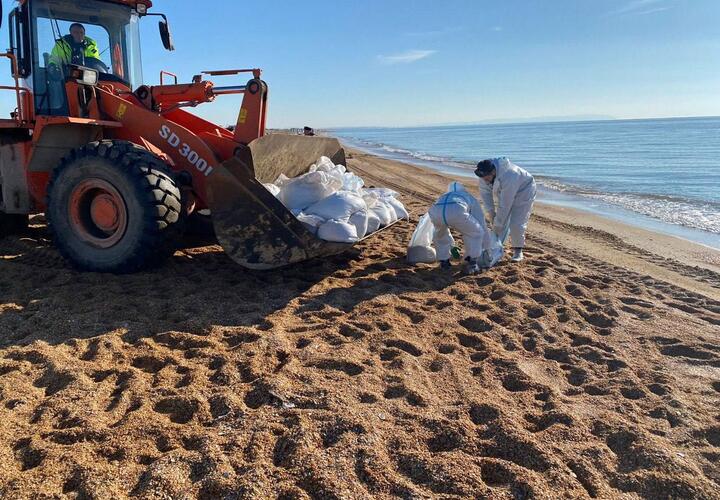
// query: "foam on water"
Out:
[705,217]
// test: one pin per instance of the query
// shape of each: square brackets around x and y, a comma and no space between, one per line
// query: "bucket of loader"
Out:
[254,228]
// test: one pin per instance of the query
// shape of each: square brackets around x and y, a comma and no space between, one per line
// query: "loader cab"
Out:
[37,26]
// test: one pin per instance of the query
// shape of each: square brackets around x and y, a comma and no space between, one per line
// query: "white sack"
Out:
[383,212]
[360,220]
[400,210]
[352,182]
[324,164]
[383,192]
[337,231]
[421,255]
[494,254]
[282,181]
[338,206]
[370,198]
[303,191]
[420,248]
[423,234]
[311,222]
[373,222]
[272,188]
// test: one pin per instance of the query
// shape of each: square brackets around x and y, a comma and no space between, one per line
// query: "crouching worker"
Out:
[507,193]
[459,210]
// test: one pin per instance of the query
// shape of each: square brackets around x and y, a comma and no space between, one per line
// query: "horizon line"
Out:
[520,121]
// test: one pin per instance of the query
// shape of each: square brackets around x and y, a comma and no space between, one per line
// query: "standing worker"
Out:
[507,193]
[458,209]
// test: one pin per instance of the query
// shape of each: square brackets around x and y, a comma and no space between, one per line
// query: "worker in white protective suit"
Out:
[507,193]
[459,210]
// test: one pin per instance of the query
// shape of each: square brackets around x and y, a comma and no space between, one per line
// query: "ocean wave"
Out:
[414,154]
[672,210]
[382,149]
[701,216]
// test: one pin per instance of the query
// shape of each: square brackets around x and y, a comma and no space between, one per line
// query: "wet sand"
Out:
[592,369]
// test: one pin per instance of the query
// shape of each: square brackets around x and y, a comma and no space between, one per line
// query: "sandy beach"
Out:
[592,369]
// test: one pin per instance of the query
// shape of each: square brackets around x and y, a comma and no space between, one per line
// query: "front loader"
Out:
[119,167]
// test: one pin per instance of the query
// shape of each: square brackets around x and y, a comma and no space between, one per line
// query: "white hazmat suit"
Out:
[458,209]
[509,200]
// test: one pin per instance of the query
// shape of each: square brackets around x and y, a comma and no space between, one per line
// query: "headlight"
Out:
[84,76]
[90,77]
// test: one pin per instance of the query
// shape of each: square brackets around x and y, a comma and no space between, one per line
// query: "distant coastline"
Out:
[520,121]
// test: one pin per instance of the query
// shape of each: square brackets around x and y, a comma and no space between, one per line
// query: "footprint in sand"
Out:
[483,414]
[575,290]
[633,393]
[534,312]
[470,341]
[476,324]
[539,423]
[685,351]
[416,317]
[54,381]
[351,331]
[659,389]
[578,377]
[400,391]
[28,455]
[447,348]
[500,319]
[632,301]
[346,367]
[404,346]
[149,364]
[638,313]
[516,382]
[179,410]
[237,339]
[536,283]
[547,299]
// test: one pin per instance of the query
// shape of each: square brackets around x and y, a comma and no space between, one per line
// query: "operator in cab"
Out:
[75,48]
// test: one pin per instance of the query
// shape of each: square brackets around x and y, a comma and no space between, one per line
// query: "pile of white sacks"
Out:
[334,204]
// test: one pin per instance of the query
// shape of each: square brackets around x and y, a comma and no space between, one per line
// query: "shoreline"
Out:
[554,197]
[662,256]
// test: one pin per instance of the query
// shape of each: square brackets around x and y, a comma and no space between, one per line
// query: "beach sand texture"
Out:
[592,369]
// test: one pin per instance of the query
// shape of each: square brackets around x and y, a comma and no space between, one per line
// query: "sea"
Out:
[661,174]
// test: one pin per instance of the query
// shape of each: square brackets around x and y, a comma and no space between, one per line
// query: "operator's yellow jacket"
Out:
[62,53]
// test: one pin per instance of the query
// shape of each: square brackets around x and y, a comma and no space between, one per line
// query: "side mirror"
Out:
[165,35]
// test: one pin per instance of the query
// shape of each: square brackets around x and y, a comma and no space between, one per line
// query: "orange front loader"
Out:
[119,168]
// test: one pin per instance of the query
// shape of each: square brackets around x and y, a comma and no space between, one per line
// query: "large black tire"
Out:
[142,191]
[12,224]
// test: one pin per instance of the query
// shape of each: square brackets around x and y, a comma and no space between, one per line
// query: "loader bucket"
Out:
[291,155]
[253,227]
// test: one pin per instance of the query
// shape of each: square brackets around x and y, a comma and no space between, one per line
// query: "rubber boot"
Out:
[472,267]
[517,255]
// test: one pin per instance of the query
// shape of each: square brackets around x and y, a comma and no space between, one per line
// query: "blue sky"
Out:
[393,63]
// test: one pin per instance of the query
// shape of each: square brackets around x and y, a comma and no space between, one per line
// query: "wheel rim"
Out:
[98,214]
